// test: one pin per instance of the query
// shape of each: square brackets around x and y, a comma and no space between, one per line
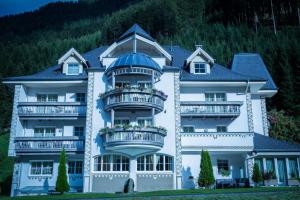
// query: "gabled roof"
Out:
[200,51]
[136,29]
[217,73]
[267,144]
[69,53]
[252,64]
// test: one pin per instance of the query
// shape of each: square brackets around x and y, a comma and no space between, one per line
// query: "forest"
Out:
[32,41]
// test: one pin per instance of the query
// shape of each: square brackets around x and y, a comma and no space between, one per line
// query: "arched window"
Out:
[111,163]
[155,162]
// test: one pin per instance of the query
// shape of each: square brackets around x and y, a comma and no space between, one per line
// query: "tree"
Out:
[62,184]
[206,176]
[257,176]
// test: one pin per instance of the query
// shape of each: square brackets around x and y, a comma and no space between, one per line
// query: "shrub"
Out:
[206,176]
[257,176]
[62,184]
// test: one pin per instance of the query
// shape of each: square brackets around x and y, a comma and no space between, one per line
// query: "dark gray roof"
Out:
[252,64]
[93,56]
[217,73]
[135,29]
[267,144]
[179,55]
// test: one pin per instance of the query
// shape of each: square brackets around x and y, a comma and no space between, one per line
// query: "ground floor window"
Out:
[41,168]
[161,163]
[75,167]
[270,165]
[293,173]
[223,165]
[111,163]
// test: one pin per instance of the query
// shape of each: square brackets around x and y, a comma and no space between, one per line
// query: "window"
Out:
[270,165]
[222,165]
[145,85]
[144,122]
[188,129]
[122,85]
[46,97]
[293,172]
[75,167]
[121,122]
[200,68]
[73,68]
[111,163]
[41,168]
[80,97]
[78,131]
[221,129]
[162,163]
[215,97]
[44,132]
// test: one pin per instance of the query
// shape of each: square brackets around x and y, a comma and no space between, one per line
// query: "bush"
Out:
[206,176]
[257,175]
[62,184]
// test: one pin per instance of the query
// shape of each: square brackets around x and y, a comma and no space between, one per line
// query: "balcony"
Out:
[27,145]
[50,110]
[134,140]
[134,97]
[214,141]
[210,109]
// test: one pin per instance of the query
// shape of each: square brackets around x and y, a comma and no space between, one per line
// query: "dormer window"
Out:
[73,69]
[200,68]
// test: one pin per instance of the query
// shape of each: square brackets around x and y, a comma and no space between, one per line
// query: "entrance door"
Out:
[281,171]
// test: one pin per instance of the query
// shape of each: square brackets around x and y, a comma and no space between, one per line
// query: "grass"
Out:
[271,193]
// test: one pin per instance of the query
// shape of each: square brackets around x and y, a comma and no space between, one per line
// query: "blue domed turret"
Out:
[134,60]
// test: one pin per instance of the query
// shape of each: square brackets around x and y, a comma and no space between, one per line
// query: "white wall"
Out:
[257,114]
[198,59]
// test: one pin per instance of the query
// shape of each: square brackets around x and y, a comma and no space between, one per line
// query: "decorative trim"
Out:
[14,122]
[89,125]
[249,113]
[216,135]
[111,175]
[264,117]
[154,176]
[178,160]
[250,164]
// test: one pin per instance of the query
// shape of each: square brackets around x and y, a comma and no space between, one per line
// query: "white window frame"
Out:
[122,83]
[44,131]
[47,97]
[144,118]
[222,159]
[75,167]
[73,63]
[155,156]
[188,126]
[41,161]
[145,82]
[215,95]
[221,125]
[110,163]
[121,119]
[200,63]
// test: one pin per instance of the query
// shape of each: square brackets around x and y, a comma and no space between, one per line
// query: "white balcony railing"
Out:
[56,109]
[215,141]
[207,108]
[48,144]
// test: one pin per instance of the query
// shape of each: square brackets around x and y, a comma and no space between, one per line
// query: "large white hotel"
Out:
[138,110]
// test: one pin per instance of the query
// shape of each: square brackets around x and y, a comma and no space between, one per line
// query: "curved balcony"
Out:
[132,97]
[133,141]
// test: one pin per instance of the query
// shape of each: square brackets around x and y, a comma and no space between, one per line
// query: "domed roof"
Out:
[134,60]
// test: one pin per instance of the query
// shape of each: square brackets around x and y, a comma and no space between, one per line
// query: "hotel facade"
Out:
[142,111]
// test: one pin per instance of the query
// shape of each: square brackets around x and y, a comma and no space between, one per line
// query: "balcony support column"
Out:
[132,169]
[153,79]
[153,116]
[113,80]
[112,117]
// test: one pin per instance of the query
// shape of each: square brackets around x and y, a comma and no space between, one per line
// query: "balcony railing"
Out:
[48,144]
[207,108]
[217,141]
[134,98]
[51,109]
[133,136]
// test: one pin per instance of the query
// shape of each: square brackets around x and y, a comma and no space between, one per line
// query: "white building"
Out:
[139,110]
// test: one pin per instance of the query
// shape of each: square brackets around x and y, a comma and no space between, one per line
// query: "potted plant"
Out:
[269,178]
[294,180]
[225,172]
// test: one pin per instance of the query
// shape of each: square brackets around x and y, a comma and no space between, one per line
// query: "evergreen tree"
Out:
[206,176]
[257,176]
[62,184]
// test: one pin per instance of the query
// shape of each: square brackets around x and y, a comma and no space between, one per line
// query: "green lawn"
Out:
[275,193]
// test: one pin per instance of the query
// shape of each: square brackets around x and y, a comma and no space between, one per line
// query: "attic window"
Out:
[200,68]
[73,68]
